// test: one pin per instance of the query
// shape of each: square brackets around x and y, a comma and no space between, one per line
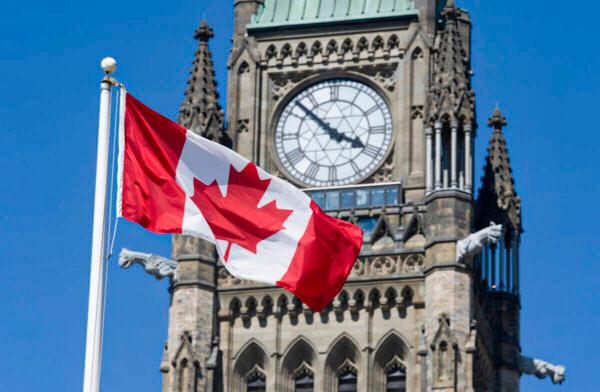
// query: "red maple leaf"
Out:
[235,218]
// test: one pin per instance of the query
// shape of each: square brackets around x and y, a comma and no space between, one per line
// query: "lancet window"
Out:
[347,380]
[449,157]
[395,377]
[498,264]
[256,382]
[304,383]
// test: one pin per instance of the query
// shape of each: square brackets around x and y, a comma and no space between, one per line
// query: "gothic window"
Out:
[347,380]
[393,42]
[341,365]
[256,382]
[363,44]
[395,378]
[347,46]
[301,50]
[377,43]
[271,52]
[389,363]
[304,382]
[250,368]
[316,49]
[332,47]
[286,51]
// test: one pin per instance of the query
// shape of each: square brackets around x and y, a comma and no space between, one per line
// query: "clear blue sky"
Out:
[540,62]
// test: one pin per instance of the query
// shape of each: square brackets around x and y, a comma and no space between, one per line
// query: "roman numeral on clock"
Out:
[290,136]
[371,151]
[379,129]
[332,173]
[312,170]
[335,92]
[295,156]
[372,110]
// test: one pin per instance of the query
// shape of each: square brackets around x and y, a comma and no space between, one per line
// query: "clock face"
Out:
[335,132]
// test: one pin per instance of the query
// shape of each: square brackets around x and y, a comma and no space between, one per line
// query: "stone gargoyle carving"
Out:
[468,248]
[157,266]
[542,369]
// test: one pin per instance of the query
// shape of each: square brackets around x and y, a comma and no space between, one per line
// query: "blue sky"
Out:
[539,62]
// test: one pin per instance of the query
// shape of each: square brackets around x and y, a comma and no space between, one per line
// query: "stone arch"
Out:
[332,47]
[374,297]
[393,42]
[244,68]
[343,352]
[347,46]
[234,307]
[316,48]
[286,51]
[362,45]
[251,358]
[392,350]
[300,357]
[301,50]
[378,43]
[271,52]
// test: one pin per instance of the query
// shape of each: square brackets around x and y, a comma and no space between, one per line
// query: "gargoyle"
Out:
[542,369]
[468,248]
[157,266]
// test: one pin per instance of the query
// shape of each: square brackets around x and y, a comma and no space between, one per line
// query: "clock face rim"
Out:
[294,93]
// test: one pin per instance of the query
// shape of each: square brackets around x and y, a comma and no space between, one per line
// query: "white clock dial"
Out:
[335,132]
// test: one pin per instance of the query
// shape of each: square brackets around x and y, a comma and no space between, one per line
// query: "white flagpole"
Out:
[93,346]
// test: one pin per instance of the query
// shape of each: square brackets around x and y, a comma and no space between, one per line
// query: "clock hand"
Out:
[333,133]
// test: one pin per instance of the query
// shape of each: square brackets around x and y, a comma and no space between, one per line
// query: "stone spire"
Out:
[200,111]
[450,96]
[498,186]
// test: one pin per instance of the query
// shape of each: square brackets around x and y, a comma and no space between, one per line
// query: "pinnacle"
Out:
[200,111]
[497,121]
[451,11]
[203,33]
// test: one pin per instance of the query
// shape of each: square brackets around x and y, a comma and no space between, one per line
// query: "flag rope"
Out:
[113,220]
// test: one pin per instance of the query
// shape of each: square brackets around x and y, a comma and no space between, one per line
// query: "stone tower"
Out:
[368,106]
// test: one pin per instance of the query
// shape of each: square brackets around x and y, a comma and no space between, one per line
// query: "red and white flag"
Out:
[172,180]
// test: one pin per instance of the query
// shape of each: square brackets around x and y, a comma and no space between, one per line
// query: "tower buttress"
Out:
[192,323]
[498,202]
[243,114]
[450,122]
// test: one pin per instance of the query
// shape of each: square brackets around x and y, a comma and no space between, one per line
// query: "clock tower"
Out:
[368,107]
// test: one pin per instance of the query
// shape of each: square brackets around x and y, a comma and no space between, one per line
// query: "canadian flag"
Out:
[172,180]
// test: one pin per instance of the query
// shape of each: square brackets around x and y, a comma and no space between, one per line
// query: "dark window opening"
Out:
[347,381]
[304,383]
[396,379]
[256,383]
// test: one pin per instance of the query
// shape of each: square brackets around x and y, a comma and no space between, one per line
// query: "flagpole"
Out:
[95,324]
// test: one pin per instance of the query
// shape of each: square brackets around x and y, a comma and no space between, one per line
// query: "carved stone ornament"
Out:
[225,279]
[387,79]
[281,84]
[384,265]
[386,171]
[542,369]
[468,248]
[157,266]
[359,268]
[414,264]
[280,87]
